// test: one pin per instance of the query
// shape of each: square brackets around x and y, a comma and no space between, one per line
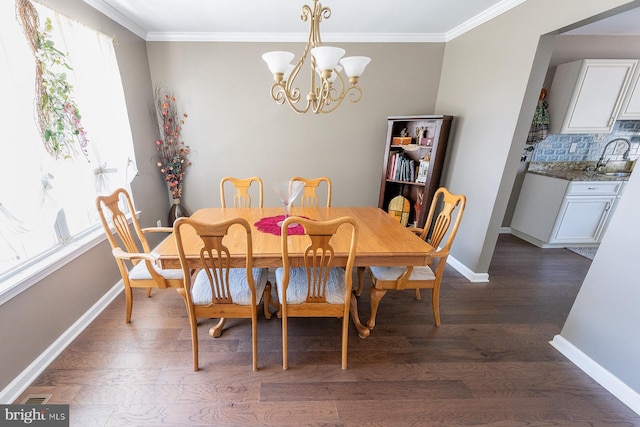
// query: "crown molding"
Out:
[121,19]
[481,18]
[295,37]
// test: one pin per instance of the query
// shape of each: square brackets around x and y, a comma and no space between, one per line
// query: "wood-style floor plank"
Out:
[489,364]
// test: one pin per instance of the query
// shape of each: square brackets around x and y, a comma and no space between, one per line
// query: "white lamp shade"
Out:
[327,57]
[277,61]
[354,65]
[287,73]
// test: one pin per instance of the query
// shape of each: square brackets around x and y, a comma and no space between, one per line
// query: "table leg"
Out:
[363,331]
[216,330]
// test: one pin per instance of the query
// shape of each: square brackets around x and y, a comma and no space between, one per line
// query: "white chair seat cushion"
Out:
[392,273]
[297,290]
[140,272]
[238,286]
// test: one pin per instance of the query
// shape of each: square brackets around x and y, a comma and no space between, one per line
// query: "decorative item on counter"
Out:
[540,124]
[403,139]
[173,152]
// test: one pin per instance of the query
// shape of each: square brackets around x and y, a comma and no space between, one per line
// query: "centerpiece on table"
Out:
[174,153]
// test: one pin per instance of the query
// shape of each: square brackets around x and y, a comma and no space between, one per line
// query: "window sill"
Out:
[34,273]
[29,276]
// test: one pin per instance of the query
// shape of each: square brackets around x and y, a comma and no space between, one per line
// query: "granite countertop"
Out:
[575,175]
[576,171]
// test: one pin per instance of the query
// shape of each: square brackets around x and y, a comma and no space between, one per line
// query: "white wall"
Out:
[603,322]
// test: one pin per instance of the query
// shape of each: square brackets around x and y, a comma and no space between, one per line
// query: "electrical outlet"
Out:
[159,223]
[574,146]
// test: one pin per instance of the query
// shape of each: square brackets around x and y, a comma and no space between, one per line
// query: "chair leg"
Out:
[418,294]
[285,359]
[148,292]
[435,301]
[128,294]
[376,296]
[345,340]
[360,280]
[194,341]
[254,339]
[216,330]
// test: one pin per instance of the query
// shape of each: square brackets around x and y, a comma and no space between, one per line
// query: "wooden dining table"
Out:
[382,241]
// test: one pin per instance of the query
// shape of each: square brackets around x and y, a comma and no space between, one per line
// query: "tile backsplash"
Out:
[557,147]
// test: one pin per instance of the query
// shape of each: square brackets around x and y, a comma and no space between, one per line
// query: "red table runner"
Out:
[270,225]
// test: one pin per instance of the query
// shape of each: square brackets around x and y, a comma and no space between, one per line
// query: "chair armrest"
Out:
[440,254]
[416,230]
[119,253]
[157,230]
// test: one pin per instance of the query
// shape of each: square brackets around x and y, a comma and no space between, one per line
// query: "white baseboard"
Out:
[505,230]
[464,270]
[606,379]
[31,372]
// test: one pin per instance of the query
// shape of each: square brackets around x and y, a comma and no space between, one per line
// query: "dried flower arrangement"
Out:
[173,152]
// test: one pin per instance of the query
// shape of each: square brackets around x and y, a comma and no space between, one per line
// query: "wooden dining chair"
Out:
[215,289]
[242,197]
[309,196]
[130,248]
[318,288]
[446,209]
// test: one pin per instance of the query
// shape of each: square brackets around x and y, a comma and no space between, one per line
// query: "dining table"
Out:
[382,241]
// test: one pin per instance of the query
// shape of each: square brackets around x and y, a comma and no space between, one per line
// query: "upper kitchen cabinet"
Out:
[586,95]
[631,104]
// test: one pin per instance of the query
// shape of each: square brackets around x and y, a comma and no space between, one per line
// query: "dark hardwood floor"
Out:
[489,364]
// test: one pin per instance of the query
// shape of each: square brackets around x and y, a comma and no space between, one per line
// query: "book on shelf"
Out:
[401,168]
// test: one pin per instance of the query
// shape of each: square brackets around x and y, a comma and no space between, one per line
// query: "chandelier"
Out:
[327,88]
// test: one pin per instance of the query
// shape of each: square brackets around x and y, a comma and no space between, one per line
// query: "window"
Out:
[46,204]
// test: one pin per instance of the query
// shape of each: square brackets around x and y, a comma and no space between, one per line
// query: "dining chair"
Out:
[130,248]
[446,209]
[241,198]
[215,289]
[318,288]
[311,186]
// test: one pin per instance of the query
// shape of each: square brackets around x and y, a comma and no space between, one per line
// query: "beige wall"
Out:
[235,128]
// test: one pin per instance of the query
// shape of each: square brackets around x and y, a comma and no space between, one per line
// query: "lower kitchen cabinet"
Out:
[553,212]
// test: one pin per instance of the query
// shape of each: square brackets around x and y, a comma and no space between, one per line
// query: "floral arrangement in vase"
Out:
[173,152]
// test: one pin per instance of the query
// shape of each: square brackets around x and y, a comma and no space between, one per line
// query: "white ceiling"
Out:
[279,20]
[350,20]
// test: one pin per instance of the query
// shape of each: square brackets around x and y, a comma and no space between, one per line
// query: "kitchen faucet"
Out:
[601,162]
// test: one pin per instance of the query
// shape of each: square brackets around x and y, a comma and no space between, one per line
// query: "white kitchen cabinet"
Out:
[553,212]
[586,95]
[581,219]
[630,109]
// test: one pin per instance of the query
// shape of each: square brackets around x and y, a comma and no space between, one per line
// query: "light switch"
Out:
[573,147]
